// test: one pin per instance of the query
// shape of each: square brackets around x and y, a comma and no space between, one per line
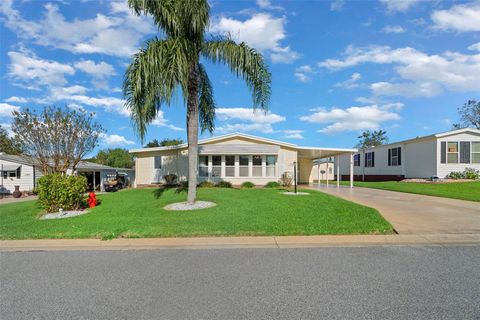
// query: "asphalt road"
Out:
[321,283]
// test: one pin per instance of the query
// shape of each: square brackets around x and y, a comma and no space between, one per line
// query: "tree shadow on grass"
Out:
[157,193]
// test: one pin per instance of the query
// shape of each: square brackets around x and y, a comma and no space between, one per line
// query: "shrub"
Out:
[248,184]
[471,173]
[455,175]
[57,191]
[206,184]
[272,184]
[224,184]
[170,179]
[286,179]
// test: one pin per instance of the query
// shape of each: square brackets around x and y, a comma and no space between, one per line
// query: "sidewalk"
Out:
[241,242]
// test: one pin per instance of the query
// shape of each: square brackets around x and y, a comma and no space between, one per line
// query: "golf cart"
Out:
[116,181]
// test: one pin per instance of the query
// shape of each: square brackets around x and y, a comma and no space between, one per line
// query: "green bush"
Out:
[471,173]
[456,175]
[272,184]
[248,184]
[170,179]
[57,191]
[224,184]
[206,184]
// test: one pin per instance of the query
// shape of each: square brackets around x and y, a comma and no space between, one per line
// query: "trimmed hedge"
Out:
[224,184]
[58,191]
[272,184]
[248,184]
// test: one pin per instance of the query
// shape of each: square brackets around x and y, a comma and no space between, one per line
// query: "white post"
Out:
[94,184]
[351,170]
[337,159]
[318,172]
[327,172]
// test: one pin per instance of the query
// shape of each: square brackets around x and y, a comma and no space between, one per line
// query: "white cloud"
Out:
[117,34]
[350,83]
[160,121]
[426,75]
[461,18]
[100,72]
[394,6]
[7,109]
[393,29]
[29,71]
[246,119]
[262,32]
[475,47]
[109,104]
[303,73]
[267,4]
[337,5]
[15,99]
[293,134]
[353,118]
[115,140]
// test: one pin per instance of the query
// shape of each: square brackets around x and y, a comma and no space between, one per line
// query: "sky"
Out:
[338,67]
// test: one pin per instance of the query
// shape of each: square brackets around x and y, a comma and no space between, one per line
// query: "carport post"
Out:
[327,172]
[337,160]
[351,170]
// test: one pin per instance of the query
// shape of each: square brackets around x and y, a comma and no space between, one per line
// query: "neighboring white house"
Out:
[20,171]
[237,158]
[435,155]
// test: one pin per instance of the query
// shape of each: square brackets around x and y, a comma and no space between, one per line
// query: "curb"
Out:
[273,242]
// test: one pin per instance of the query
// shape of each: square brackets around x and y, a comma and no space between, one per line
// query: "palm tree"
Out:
[171,64]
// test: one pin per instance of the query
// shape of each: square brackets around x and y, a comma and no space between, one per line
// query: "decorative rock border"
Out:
[289,193]
[63,214]
[184,206]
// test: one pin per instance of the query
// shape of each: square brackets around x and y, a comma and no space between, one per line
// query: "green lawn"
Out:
[458,190]
[139,213]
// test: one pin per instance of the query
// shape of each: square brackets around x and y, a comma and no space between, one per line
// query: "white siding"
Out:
[420,159]
[26,177]
[445,168]
[381,162]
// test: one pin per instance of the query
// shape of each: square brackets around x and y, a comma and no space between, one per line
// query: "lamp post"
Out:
[295,175]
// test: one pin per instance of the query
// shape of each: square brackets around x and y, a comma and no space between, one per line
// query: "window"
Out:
[216,166]
[271,161]
[452,152]
[203,166]
[330,171]
[356,160]
[257,166]
[243,162]
[475,152]
[157,162]
[12,174]
[395,157]
[370,159]
[464,151]
[229,166]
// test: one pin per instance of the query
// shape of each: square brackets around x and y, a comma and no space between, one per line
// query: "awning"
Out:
[9,167]
[259,149]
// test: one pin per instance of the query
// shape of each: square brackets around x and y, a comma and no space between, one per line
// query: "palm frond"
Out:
[206,101]
[152,78]
[186,18]
[244,62]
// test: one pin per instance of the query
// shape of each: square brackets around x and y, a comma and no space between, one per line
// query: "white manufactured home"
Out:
[22,172]
[237,158]
[436,155]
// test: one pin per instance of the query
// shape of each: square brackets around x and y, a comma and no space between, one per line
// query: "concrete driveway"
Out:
[413,213]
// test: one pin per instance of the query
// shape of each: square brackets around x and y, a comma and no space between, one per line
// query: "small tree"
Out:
[56,139]
[164,143]
[469,115]
[371,138]
[8,144]
[118,158]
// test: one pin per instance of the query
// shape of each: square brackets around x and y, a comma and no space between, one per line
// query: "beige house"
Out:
[238,158]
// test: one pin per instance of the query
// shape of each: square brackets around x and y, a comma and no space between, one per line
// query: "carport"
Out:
[307,155]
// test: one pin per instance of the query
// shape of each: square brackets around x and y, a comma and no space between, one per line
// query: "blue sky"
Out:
[338,67]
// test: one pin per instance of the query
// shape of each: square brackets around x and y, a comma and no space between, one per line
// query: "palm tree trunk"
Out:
[192,132]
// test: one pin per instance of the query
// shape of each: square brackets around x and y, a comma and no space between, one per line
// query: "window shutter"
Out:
[389,157]
[464,151]
[443,152]
[400,156]
[373,159]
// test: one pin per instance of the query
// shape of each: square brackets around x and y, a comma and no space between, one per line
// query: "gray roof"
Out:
[17,159]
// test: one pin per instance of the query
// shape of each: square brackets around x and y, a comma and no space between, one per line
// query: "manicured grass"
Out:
[139,213]
[458,190]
